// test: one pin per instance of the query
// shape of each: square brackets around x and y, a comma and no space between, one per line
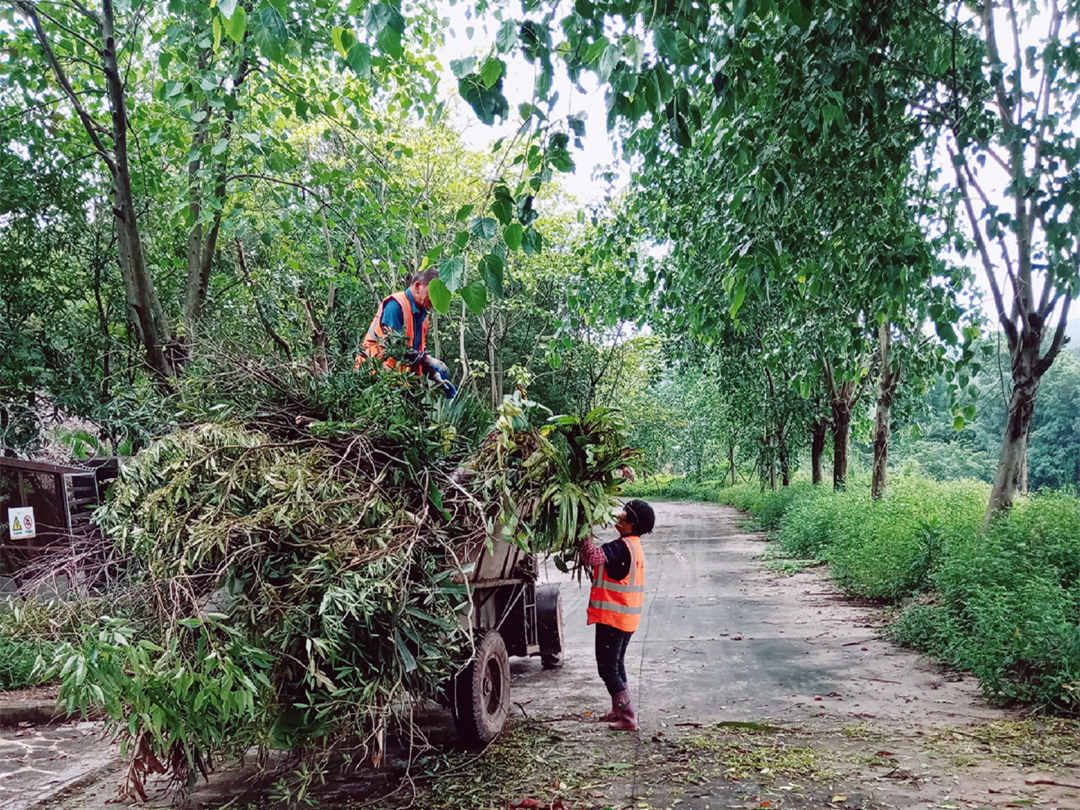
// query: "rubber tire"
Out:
[482,692]
[549,625]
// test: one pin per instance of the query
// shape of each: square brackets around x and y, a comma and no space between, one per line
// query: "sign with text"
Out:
[21,522]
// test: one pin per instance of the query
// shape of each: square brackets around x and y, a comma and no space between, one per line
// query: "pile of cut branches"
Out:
[298,543]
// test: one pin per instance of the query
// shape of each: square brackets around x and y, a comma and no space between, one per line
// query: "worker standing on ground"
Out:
[407,312]
[615,604]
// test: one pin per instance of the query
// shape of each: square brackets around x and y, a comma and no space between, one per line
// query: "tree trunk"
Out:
[890,377]
[463,358]
[770,459]
[141,296]
[841,428]
[1014,441]
[142,301]
[731,461]
[818,431]
[785,463]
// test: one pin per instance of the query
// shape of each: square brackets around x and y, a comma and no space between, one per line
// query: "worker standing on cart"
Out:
[615,604]
[407,311]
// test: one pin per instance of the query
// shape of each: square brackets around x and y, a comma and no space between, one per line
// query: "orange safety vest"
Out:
[373,346]
[618,603]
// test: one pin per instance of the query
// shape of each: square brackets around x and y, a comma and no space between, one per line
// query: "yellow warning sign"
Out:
[21,523]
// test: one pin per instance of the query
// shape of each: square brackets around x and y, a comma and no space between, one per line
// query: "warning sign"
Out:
[21,522]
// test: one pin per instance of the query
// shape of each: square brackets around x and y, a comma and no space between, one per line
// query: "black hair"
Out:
[424,276]
[640,516]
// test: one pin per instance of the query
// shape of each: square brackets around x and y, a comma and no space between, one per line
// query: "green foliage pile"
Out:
[556,482]
[1007,605]
[18,659]
[301,546]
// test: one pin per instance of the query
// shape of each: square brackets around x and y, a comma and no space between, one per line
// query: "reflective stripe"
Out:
[614,608]
[608,585]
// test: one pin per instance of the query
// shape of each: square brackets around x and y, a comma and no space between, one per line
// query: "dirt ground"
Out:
[754,689]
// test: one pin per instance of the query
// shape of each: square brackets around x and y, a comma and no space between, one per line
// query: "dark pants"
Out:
[610,652]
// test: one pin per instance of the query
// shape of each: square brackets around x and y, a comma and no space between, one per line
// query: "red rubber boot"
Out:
[627,718]
[611,716]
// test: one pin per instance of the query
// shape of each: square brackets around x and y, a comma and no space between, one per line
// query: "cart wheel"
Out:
[482,691]
[549,625]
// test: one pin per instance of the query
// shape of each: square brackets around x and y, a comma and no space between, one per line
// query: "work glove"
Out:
[438,370]
[415,358]
[591,554]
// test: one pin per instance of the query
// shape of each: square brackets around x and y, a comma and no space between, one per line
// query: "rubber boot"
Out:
[611,716]
[627,719]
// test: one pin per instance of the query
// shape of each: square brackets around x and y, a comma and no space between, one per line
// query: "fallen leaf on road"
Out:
[839,798]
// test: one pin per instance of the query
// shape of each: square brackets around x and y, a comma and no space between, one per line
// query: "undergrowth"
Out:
[17,662]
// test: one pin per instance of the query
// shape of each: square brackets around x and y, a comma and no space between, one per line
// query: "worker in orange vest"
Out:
[407,311]
[615,604]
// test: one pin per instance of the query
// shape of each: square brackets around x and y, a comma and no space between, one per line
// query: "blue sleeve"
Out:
[392,317]
[618,559]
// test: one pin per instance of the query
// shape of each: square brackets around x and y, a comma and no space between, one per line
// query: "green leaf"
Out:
[227,8]
[512,235]
[435,495]
[463,213]
[491,266]
[220,146]
[440,295]
[503,209]
[737,300]
[389,42]
[236,25]
[475,296]
[272,36]
[462,67]
[452,272]
[407,659]
[343,40]
[507,36]
[359,60]
[798,14]
[487,102]
[531,242]
[830,114]
[484,227]
[491,71]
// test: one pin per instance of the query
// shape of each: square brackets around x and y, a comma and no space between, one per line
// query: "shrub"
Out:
[886,550]
[806,529]
[674,488]
[774,505]
[1009,605]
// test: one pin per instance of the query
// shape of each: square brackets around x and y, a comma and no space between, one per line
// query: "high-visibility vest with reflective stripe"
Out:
[373,346]
[618,602]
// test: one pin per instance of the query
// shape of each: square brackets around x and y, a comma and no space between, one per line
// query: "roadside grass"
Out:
[17,662]
[1003,603]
